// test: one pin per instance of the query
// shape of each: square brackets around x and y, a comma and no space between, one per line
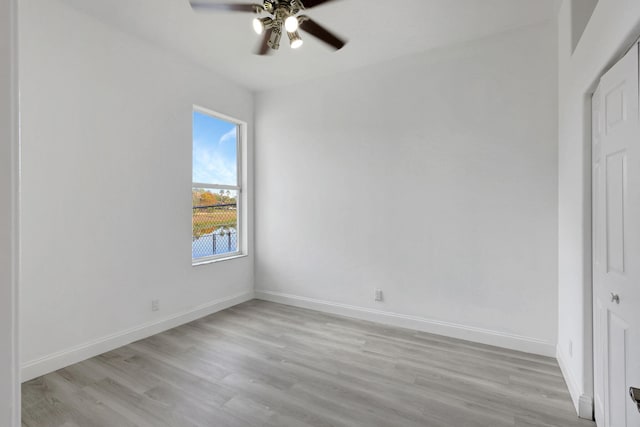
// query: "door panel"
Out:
[617,350]
[615,107]
[615,198]
[616,243]
[599,374]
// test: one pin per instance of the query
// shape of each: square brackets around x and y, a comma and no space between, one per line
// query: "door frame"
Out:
[9,188]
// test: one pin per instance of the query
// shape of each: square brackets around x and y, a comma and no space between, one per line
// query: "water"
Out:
[224,244]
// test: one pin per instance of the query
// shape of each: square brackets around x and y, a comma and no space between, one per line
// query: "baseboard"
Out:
[61,359]
[469,333]
[583,403]
[585,407]
[572,385]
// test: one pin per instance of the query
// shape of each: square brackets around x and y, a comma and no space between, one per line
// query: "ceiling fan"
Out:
[281,15]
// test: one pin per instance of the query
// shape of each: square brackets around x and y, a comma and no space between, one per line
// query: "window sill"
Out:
[215,260]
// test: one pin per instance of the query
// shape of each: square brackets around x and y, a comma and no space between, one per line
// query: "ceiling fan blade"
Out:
[226,7]
[317,30]
[308,4]
[264,48]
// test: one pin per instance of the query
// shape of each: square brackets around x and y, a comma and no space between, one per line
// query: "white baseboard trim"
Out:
[469,333]
[583,403]
[585,407]
[61,359]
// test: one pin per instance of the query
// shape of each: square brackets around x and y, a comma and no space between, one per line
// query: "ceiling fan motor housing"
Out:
[293,6]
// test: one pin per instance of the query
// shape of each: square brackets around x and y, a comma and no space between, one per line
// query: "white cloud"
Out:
[211,167]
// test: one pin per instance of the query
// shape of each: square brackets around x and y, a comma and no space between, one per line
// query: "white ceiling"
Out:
[377,30]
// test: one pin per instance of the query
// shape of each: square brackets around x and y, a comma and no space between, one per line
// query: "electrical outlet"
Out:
[378,295]
[155,305]
[570,348]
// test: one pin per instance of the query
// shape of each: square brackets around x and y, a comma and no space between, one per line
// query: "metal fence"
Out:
[215,230]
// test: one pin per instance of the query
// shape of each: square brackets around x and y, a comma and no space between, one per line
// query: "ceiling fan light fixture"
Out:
[259,24]
[291,24]
[281,16]
[295,39]
[258,27]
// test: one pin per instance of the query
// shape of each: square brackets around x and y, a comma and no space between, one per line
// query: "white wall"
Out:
[432,177]
[612,27]
[581,12]
[9,391]
[106,213]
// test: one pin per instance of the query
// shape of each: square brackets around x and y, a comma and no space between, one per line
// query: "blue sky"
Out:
[214,150]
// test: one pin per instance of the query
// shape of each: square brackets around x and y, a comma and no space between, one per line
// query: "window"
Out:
[216,190]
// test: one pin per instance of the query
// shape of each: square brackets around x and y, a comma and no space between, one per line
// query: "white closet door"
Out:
[616,227]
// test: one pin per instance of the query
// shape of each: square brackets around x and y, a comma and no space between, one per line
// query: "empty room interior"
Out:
[403,213]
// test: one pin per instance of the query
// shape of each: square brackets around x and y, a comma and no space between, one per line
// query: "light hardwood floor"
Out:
[265,364]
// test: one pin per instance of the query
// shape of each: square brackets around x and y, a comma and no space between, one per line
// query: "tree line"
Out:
[206,197]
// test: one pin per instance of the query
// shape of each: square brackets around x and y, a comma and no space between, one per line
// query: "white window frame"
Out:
[241,136]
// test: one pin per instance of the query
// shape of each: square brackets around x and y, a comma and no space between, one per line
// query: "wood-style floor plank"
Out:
[266,364]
